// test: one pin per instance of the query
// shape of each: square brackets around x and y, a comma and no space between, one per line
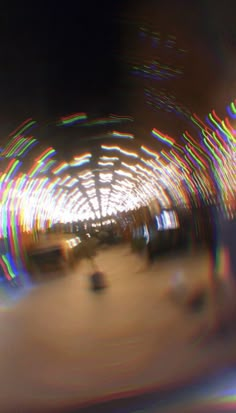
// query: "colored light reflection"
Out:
[86,188]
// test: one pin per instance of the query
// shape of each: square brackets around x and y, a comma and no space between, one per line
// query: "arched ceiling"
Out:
[99,166]
[114,172]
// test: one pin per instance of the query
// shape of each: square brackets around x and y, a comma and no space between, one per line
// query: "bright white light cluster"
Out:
[119,181]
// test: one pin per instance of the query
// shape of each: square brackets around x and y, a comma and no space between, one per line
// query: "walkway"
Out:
[64,343]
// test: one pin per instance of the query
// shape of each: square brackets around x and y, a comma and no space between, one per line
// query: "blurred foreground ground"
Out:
[63,343]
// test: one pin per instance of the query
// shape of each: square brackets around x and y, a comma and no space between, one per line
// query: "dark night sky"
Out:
[65,57]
